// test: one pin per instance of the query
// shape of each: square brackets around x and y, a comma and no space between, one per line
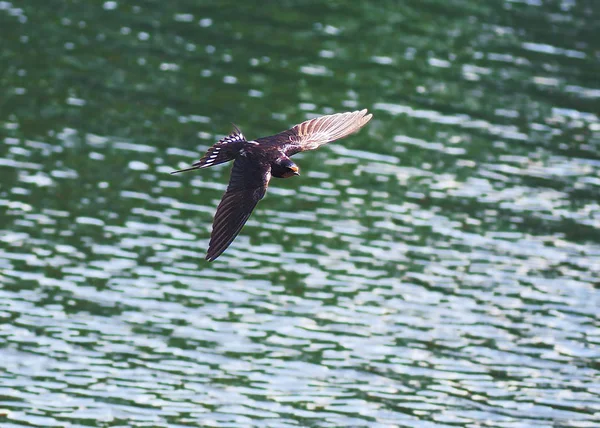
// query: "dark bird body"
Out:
[256,161]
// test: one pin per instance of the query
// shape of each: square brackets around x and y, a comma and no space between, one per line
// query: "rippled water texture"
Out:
[439,269]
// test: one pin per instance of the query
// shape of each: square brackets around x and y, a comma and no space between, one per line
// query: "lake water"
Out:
[441,268]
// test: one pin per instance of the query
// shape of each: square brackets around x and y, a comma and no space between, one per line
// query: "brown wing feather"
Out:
[313,133]
[247,185]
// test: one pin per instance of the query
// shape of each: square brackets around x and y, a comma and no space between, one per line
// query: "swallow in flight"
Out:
[256,161]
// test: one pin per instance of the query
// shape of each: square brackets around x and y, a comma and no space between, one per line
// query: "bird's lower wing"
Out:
[247,185]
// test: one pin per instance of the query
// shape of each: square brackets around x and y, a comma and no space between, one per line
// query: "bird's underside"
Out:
[255,162]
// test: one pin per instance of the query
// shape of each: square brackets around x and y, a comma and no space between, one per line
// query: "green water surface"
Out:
[441,268]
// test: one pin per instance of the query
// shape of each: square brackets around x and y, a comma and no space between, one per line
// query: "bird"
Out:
[255,162]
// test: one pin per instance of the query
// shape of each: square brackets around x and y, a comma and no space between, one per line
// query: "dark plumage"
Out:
[255,162]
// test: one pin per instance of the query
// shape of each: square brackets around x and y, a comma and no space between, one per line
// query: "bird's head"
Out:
[284,168]
[292,170]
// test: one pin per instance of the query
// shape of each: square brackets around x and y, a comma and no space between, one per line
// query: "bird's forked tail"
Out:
[223,151]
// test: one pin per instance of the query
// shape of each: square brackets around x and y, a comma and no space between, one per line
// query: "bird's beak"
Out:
[295,170]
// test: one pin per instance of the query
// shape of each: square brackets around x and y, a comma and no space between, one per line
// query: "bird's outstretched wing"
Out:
[224,150]
[315,132]
[247,185]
